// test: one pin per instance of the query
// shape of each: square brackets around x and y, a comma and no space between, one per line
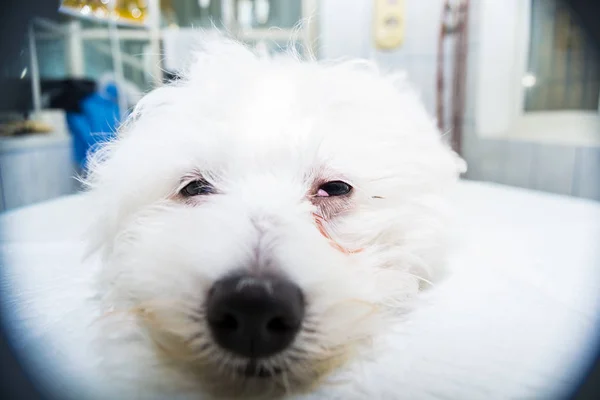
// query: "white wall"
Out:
[501,34]
[344,28]
[345,31]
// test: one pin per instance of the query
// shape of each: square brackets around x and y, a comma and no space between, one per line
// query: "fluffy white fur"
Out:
[264,132]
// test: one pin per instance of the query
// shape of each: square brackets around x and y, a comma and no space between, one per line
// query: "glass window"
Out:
[52,53]
[191,13]
[281,13]
[99,61]
[250,13]
[564,70]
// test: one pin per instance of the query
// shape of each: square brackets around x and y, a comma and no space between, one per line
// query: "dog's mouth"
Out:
[254,369]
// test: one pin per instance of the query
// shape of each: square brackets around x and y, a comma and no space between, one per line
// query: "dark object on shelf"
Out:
[65,94]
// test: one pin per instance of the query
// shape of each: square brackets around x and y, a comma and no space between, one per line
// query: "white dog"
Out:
[263,222]
[264,229]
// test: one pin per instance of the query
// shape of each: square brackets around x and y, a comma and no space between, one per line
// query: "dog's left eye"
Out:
[197,188]
[334,188]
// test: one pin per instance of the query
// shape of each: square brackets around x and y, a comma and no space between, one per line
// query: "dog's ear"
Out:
[461,164]
[401,82]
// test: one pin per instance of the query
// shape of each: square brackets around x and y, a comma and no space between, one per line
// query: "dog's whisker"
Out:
[286,382]
[420,278]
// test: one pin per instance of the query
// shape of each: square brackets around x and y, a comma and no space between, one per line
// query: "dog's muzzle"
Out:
[254,316]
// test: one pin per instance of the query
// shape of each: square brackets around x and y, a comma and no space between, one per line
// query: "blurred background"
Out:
[514,84]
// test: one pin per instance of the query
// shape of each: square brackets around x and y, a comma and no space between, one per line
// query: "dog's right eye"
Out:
[197,188]
[334,188]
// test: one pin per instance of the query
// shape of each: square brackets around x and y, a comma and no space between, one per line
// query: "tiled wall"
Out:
[346,32]
[34,172]
[559,169]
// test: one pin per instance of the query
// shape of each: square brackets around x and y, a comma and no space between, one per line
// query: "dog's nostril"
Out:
[254,317]
[227,322]
[278,325]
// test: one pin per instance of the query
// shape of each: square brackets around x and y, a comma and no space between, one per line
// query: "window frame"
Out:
[502,63]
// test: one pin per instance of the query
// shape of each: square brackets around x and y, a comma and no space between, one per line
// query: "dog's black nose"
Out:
[254,316]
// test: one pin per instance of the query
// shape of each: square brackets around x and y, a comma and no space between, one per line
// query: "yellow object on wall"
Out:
[133,12]
[388,23]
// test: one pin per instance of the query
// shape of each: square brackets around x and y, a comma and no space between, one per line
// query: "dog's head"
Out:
[260,219]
